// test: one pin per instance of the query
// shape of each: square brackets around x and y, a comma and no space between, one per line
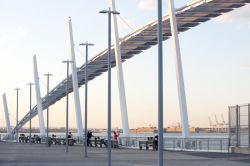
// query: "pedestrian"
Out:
[89,135]
[70,135]
[116,134]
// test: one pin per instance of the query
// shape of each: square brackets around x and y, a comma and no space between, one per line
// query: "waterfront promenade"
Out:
[21,154]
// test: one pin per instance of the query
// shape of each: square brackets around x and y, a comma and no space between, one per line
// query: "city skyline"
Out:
[213,65]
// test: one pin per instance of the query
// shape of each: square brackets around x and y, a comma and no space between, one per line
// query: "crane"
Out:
[225,125]
[212,126]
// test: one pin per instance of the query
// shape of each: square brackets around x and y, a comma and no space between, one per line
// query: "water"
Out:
[166,135]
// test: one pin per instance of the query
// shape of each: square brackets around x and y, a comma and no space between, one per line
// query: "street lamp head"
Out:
[67,61]
[48,74]
[86,44]
[115,12]
[104,11]
[109,11]
[30,83]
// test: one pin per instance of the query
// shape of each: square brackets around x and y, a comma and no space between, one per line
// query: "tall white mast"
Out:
[123,104]
[7,118]
[179,73]
[38,98]
[75,82]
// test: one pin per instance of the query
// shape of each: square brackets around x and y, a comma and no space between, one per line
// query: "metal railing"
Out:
[183,144]
[239,125]
[220,144]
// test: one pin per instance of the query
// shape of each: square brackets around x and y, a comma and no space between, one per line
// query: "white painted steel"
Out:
[119,70]
[75,82]
[179,72]
[6,112]
[38,98]
[188,17]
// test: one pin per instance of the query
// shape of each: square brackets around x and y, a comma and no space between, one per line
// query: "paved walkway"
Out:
[18,154]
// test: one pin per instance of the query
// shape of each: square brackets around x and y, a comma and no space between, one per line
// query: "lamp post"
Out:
[48,75]
[86,94]
[160,86]
[30,85]
[109,12]
[67,104]
[17,90]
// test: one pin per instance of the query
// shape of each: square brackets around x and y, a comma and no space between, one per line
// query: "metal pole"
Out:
[67,109]
[249,125]
[86,96]
[109,12]
[229,127]
[47,75]
[67,106]
[30,113]
[109,88]
[30,84]
[160,86]
[86,100]
[237,125]
[17,89]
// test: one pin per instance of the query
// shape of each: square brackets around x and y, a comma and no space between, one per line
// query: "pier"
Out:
[118,146]
[13,154]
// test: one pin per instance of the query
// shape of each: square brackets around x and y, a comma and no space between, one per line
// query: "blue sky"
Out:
[215,54]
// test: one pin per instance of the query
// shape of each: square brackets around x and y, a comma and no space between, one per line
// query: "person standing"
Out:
[116,136]
[89,135]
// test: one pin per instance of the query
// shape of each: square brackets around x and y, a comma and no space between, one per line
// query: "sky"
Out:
[215,57]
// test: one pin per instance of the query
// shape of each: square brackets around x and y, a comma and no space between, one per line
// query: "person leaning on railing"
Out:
[156,142]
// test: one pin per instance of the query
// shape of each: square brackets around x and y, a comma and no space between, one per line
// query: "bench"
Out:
[101,142]
[23,138]
[114,144]
[62,141]
[147,144]
[97,142]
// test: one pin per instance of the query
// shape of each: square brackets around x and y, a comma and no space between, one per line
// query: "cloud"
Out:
[238,16]
[14,35]
[147,4]
[245,66]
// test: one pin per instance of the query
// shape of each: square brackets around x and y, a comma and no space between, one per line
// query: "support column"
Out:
[7,118]
[179,73]
[38,98]
[75,82]
[123,104]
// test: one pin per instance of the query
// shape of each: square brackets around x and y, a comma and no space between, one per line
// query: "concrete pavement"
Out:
[21,154]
